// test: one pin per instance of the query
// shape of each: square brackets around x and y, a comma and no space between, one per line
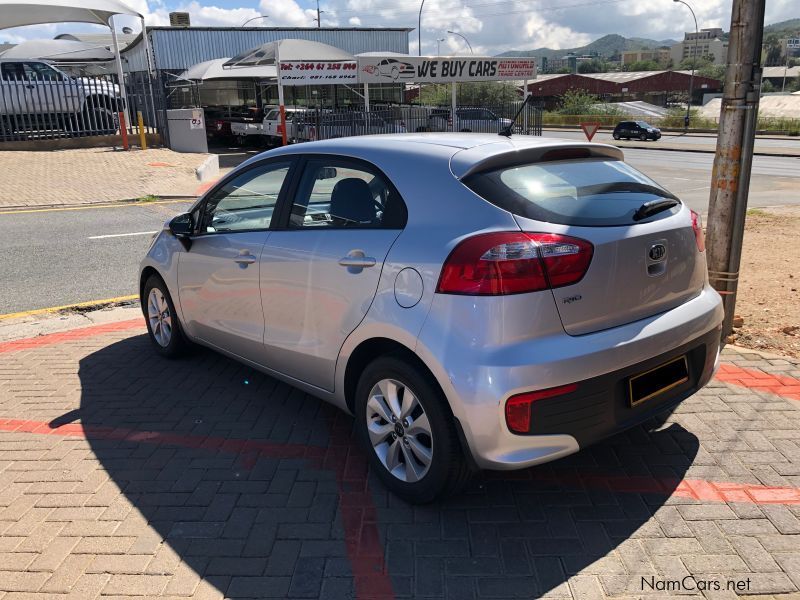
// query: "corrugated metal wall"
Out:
[177,49]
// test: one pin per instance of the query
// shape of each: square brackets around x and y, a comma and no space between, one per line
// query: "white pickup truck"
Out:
[35,94]
[270,127]
[303,125]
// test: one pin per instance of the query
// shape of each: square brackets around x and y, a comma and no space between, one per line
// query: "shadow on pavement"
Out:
[257,487]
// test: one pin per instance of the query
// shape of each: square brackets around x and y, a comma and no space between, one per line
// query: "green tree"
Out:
[713,71]
[767,87]
[485,93]
[591,66]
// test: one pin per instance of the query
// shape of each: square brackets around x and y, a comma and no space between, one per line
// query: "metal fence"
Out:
[319,124]
[38,102]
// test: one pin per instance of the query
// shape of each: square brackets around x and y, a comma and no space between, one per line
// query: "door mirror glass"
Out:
[327,173]
[182,225]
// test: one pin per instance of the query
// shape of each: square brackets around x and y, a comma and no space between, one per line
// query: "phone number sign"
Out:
[318,73]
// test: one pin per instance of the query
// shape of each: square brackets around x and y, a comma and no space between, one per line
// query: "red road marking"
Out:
[68,336]
[780,385]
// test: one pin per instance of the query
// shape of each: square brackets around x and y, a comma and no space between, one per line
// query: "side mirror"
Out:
[182,225]
[182,228]
[327,173]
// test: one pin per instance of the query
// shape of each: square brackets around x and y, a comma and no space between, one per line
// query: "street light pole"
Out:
[694,63]
[254,18]
[419,28]
[439,46]
[464,38]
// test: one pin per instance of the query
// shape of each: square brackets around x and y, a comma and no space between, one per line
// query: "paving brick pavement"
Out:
[124,474]
[93,175]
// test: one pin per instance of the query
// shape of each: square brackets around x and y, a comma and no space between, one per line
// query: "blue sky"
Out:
[492,26]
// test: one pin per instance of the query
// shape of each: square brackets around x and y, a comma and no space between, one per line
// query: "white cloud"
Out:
[492,26]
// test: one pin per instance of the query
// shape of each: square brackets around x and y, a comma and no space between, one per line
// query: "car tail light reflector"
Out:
[518,408]
[699,235]
[496,264]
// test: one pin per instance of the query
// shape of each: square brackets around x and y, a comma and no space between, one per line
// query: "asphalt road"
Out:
[677,138]
[59,257]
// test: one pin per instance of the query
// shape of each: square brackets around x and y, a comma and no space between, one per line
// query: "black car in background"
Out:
[640,130]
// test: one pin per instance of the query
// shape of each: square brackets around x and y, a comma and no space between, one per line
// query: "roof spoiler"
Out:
[475,160]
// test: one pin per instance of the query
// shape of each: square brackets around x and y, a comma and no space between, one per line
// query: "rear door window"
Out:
[591,192]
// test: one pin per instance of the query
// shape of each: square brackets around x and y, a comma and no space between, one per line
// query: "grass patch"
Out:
[148,198]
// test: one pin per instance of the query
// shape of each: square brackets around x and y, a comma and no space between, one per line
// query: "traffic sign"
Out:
[589,129]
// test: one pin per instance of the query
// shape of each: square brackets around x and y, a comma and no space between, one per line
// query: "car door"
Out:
[320,270]
[15,93]
[218,277]
[47,89]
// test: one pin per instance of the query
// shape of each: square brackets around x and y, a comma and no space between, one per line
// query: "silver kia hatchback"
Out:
[476,302]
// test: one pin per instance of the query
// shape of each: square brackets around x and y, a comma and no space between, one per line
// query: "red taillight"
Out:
[699,235]
[518,408]
[494,264]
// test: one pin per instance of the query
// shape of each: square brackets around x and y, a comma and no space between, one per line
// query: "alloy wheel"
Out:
[160,317]
[399,430]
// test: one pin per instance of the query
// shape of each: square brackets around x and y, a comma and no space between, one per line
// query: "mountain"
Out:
[610,45]
[606,46]
[784,28]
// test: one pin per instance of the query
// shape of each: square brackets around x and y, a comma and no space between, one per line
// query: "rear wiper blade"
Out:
[653,207]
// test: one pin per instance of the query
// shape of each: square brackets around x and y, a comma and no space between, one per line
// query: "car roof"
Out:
[465,151]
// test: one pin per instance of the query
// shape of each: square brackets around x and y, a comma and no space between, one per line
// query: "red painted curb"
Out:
[780,385]
[68,336]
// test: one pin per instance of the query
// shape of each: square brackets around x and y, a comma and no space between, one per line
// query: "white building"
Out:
[706,42]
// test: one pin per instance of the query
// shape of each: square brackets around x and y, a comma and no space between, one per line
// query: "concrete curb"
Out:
[209,169]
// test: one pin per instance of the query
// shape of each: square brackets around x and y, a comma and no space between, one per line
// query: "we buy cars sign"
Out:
[429,69]
[318,73]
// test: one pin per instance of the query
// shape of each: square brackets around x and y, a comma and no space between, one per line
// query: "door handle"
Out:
[29,86]
[244,259]
[359,263]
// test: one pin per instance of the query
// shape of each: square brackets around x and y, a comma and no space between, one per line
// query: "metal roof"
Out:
[178,48]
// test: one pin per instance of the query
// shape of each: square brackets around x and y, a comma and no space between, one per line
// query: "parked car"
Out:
[353,122]
[636,129]
[35,94]
[474,302]
[467,120]
[219,120]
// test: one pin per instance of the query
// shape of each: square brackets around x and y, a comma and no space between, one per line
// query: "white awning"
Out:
[15,13]
[60,51]
[290,50]
[213,69]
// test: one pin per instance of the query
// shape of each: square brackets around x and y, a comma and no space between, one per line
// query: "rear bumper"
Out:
[600,407]
[478,376]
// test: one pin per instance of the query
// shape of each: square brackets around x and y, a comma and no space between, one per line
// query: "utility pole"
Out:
[730,178]
[319,20]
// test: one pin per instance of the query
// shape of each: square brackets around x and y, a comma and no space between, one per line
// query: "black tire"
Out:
[449,470]
[615,135]
[178,344]
[643,137]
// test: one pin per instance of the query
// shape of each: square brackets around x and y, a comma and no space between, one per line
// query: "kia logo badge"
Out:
[657,252]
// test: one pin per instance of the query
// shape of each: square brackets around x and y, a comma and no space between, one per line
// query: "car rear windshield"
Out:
[585,193]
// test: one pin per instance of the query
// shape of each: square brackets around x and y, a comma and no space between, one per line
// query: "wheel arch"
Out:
[371,349]
[146,273]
